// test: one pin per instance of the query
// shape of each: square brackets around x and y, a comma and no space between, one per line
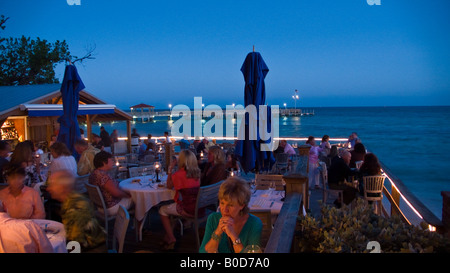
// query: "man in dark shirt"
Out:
[338,173]
[5,149]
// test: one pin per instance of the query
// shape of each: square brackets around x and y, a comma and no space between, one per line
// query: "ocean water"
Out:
[413,142]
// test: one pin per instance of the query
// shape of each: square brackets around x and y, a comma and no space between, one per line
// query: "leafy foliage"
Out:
[348,231]
[26,61]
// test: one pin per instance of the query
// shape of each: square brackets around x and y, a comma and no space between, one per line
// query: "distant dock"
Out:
[149,116]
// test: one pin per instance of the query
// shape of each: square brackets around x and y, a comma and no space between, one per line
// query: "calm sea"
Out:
[413,142]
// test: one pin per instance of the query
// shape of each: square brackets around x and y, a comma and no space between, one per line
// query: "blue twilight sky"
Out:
[335,52]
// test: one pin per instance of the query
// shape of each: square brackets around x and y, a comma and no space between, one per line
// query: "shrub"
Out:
[348,231]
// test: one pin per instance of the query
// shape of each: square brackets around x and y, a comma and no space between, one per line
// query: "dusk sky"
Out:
[335,52]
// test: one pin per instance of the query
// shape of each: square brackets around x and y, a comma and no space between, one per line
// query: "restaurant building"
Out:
[31,112]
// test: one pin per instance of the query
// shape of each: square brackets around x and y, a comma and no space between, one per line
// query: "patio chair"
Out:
[263,181]
[281,163]
[373,190]
[101,211]
[208,196]
[120,230]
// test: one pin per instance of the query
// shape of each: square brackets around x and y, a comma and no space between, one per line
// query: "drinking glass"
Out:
[272,187]
[252,249]
[144,172]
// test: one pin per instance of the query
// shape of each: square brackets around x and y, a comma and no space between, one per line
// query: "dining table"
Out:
[266,199]
[146,193]
[55,233]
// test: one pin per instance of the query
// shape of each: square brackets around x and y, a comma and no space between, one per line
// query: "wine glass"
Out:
[252,249]
[144,173]
[272,186]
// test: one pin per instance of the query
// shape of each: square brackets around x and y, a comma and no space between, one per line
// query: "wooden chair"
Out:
[120,230]
[373,190]
[80,183]
[263,181]
[326,189]
[101,211]
[266,218]
[207,196]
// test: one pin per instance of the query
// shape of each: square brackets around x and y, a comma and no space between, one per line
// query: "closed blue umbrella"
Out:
[254,70]
[71,86]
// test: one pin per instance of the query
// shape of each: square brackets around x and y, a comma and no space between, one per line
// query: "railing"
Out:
[282,235]
[400,201]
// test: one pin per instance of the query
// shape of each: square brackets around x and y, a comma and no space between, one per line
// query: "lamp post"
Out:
[285,109]
[295,97]
[170,111]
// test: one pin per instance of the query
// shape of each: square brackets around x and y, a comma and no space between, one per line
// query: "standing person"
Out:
[135,138]
[186,182]
[5,149]
[167,138]
[63,159]
[114,139]
[106,139]
[77,213]
[87,153]
[20,201]
[109,187]
[233,227]
[313,163]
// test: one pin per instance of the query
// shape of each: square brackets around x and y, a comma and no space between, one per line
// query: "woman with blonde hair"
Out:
[215,170]
[233,227]
[186,182]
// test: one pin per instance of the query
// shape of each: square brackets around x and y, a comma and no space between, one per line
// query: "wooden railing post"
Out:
[396,197]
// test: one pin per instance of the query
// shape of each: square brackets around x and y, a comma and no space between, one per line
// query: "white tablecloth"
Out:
[55,234]
[145,197]
[266,199]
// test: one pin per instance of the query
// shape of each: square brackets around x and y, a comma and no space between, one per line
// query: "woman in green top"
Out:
[233,228]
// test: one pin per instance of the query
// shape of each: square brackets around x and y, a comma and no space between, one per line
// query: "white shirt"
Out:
[64,163]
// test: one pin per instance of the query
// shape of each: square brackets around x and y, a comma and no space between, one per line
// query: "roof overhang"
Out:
[47,110]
